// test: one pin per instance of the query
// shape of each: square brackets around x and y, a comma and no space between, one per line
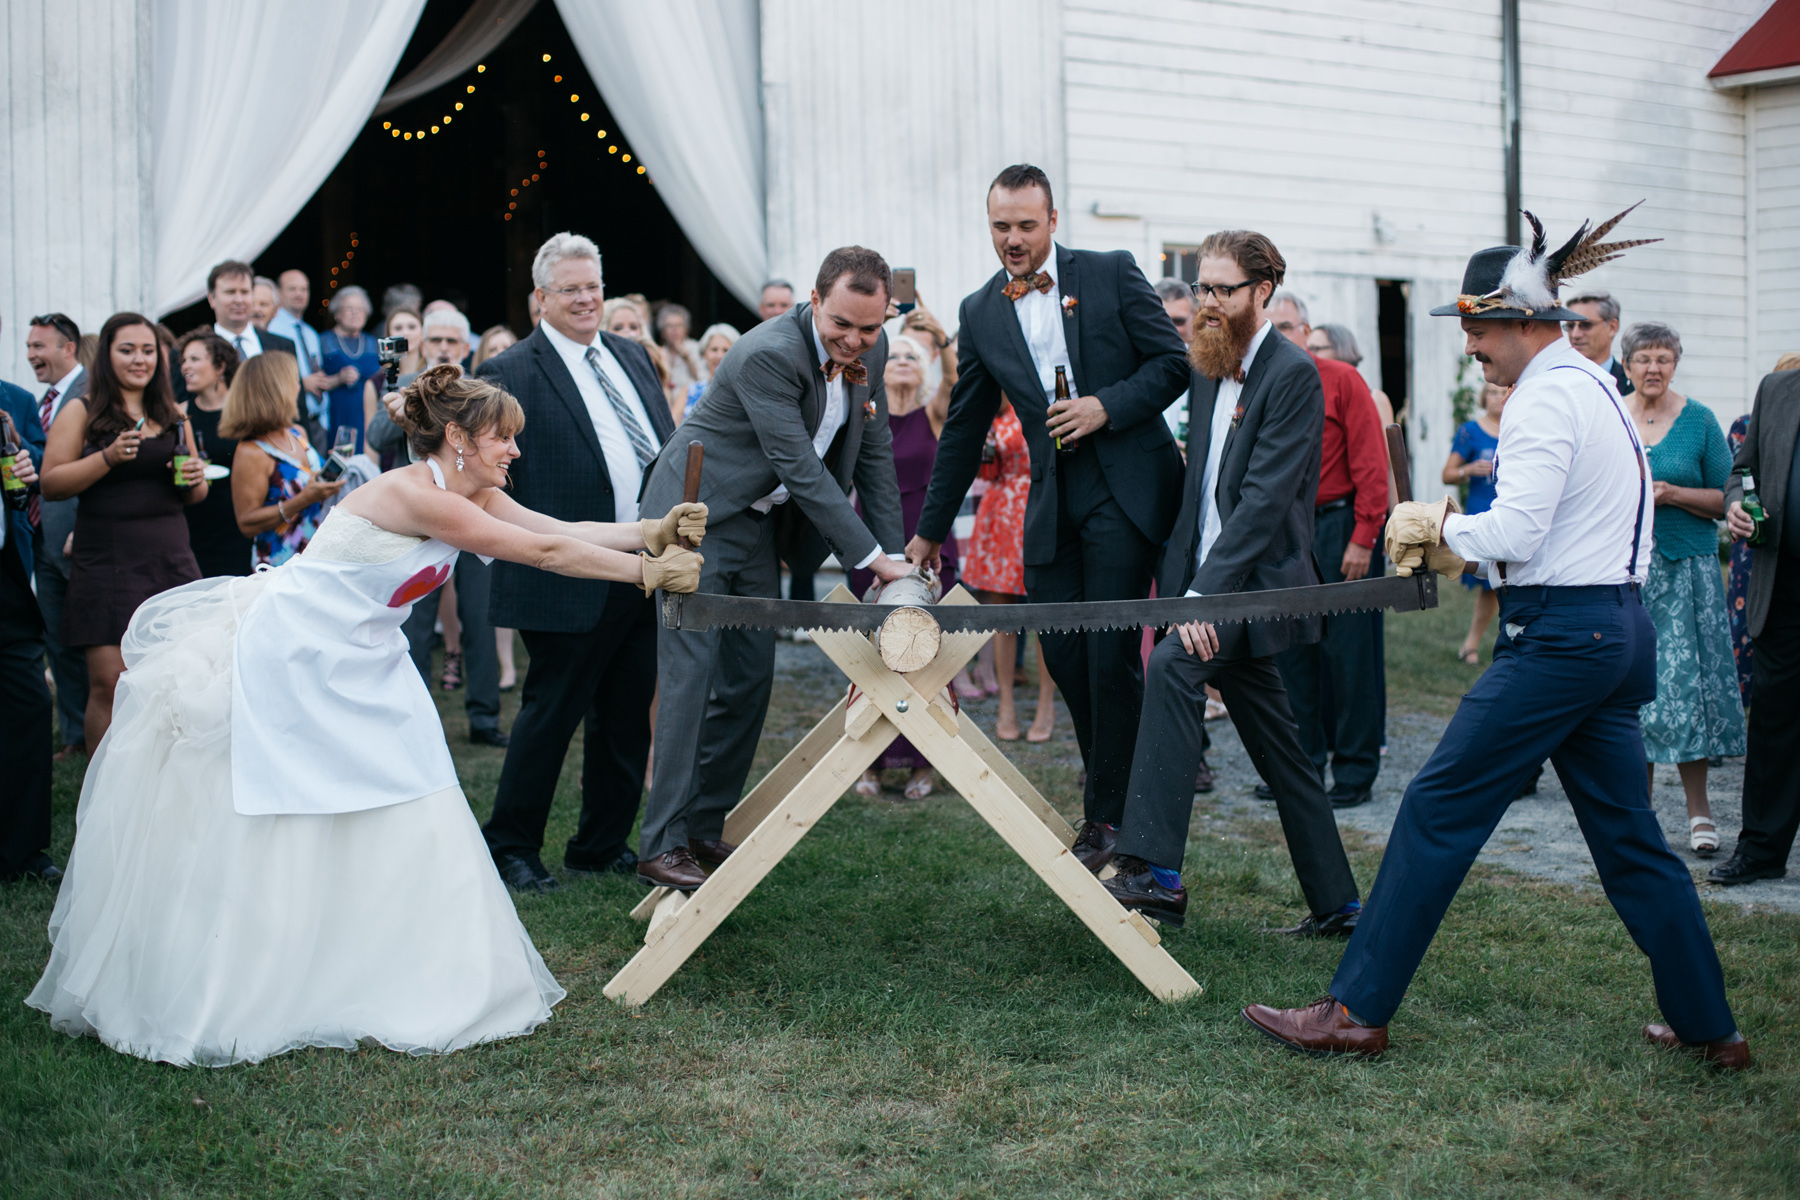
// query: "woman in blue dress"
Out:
[1471,461]
[348,351]
[1698,712]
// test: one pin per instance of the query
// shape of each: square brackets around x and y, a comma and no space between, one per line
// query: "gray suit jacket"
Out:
[1268,480]
[757,421]
[58,516]
[1768,454]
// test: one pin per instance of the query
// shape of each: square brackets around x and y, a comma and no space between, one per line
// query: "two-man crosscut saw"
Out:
[699,611]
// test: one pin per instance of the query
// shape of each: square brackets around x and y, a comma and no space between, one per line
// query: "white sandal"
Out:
[1704,842]
[866,786]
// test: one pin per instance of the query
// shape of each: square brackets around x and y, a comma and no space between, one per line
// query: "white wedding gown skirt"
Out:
[186,932]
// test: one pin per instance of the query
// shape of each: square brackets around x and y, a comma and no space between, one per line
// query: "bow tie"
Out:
[1020,284]
[854,373]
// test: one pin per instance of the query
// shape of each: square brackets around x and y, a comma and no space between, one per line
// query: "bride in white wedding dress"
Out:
[271,849]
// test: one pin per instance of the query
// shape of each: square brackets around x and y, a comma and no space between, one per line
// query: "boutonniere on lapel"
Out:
[1237,415]
[869,408]
[1069,303]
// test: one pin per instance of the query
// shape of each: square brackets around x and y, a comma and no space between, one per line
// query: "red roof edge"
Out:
[1771,43]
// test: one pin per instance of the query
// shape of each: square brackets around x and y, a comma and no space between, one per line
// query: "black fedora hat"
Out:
[1514,283]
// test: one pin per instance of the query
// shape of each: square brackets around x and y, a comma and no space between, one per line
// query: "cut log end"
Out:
[908,640]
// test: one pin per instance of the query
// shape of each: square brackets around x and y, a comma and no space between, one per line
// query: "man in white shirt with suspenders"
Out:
[1566,545]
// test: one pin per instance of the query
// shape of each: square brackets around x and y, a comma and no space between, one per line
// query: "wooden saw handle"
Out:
[1401,467]
[690,486]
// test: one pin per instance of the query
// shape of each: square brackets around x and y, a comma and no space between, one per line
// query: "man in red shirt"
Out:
[1348,517]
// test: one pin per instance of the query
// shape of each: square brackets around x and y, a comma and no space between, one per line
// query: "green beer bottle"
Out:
[1752,502]
[178,464]
[17,496]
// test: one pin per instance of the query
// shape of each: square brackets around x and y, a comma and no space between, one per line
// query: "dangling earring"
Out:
[459,465]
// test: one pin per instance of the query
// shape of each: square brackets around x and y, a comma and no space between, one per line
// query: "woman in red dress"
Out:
[993,567]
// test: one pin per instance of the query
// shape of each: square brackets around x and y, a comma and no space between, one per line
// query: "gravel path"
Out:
[1538,835]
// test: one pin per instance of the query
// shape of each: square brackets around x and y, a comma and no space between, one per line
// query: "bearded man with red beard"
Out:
[1256,414]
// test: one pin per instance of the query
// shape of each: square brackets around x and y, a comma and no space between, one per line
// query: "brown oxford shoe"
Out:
[1322,1027]
[1094,845]
[711,852]
[1727,1056]
[676,869]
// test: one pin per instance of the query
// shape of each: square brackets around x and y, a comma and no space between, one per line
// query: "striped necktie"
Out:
[641,443]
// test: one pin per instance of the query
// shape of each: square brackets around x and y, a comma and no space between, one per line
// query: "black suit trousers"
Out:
[1346,655]
[1161,801]
[1772,764]
[24,720]
[1100,555]
[603,679]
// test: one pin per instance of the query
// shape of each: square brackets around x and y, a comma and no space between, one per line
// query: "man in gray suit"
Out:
[50,346]
[795,416]
[1771,456]
[1245,524]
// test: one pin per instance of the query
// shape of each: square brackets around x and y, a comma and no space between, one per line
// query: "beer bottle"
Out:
[1754,510]
[1062,395]
[181,455]
[17,496]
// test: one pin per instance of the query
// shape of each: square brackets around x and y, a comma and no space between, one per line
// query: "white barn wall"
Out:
[1774,156]
[1365,139]
[75,180]
[895,149]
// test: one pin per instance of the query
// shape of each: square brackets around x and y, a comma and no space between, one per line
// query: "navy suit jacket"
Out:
[561,472]
[23,409]
[1268,479]
[1123,349]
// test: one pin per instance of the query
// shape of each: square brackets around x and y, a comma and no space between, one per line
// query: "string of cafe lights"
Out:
[342,270]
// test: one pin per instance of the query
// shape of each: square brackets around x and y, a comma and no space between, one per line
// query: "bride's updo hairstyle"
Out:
[443,395]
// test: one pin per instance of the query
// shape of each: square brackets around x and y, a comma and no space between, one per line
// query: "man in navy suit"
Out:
[24,698]
[595,418]
[1101,507]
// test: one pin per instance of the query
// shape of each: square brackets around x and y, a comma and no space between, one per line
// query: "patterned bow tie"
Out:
[1020,284]
[854,373]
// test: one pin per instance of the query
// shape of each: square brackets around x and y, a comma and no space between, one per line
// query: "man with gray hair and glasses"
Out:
[1593,335]
[595,418]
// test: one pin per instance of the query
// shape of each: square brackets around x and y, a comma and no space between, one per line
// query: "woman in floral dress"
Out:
[274,473]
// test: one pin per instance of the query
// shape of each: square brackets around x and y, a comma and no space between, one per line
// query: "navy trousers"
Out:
[1571,668]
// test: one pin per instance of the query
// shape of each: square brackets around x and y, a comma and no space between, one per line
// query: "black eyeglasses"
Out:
[70,331]
[1221,291]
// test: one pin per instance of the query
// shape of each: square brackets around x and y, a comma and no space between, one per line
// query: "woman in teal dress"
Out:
[1697,713]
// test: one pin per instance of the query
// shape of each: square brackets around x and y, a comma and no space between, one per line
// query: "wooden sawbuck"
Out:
[884,704]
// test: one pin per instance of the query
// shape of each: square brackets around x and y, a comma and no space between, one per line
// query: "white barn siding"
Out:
[1774,156]
[74,165]
[895,149]
[1366,140]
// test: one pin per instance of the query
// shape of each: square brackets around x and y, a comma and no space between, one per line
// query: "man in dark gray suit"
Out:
[1246,524]
[1771,456]
[595,417]
[50,346]
[1101,507]
[795,417]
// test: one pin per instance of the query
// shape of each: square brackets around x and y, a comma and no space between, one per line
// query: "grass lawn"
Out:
[904,1010]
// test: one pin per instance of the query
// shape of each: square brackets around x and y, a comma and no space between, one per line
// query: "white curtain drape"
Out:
[684,80]
[481,29]
[254,105]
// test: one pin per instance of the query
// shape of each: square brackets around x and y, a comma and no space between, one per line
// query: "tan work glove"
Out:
[683,521]
[676,569]
[1415,536]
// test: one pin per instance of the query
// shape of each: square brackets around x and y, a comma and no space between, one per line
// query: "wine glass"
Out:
[343,443]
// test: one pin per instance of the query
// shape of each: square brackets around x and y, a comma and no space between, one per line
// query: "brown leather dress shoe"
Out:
[676,869]
[1094,845]
[711,852]
[1727,1056]
[1322,1027]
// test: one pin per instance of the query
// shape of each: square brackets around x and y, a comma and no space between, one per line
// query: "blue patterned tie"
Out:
[641,444]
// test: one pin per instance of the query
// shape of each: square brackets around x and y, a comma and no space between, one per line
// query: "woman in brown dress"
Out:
[117,449]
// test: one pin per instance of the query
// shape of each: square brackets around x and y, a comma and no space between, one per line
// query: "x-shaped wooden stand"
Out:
[777,812]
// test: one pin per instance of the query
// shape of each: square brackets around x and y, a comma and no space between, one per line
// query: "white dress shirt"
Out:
[621,460]
[1224,409]
[837,411]
[248,345]
[1041,321]
[62,387]
[1568,481]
